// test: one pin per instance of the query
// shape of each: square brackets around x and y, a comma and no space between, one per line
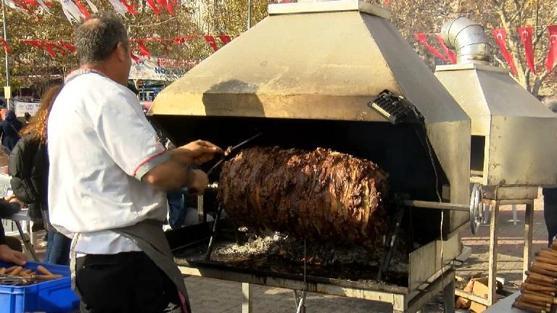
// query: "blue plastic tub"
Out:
[55,296]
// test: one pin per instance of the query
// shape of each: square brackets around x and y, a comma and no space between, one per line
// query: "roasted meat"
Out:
[319,194]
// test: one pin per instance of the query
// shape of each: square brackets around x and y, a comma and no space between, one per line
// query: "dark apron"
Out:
[150,238]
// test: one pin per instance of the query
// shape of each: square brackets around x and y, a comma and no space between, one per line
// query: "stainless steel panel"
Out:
[523,151]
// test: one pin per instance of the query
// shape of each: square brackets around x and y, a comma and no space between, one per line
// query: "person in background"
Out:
[9,130]
[27,117]
[550,197]
[108,179]
[28,167]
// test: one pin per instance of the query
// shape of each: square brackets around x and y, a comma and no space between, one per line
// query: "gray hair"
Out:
[97,38]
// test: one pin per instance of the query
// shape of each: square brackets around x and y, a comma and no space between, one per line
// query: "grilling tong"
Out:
[227,155]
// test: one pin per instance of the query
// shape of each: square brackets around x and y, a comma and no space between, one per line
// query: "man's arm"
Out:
[175,171]
[6,253]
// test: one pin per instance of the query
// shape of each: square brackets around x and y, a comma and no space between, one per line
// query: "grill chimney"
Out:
[468,39]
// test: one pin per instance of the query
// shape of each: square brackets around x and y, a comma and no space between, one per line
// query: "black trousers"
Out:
[550,212]
[124,283]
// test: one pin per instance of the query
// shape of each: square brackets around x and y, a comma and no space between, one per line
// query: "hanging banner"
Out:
[449,54]
[22,107]
[552,53]
[422,39]
[500,36]
[150,69]
[525,34]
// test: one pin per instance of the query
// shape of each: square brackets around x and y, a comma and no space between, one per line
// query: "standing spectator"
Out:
[9,130]
[28,167]
[27,117]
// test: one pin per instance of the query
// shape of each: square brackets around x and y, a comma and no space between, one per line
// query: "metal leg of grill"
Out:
[26,241]
[246,298]
[492,283]
[299,300]
[448,297]
[528,229]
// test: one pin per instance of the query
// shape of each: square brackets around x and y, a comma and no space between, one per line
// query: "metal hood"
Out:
[513,134]
[322,60]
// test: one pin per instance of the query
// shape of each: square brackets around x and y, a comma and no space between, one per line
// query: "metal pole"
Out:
[6,51]
[249,14]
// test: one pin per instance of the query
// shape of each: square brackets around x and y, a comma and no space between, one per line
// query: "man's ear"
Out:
[122,51]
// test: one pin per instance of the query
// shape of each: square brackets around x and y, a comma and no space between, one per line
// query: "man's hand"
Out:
[199,151]
[198,181]
[12,256]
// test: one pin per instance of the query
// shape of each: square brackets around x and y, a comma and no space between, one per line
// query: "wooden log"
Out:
[548,253]
[547,260]
[539,288]
[528,307]
[541,277]
[545,306]
[537,268]
[539,282]
[535,297]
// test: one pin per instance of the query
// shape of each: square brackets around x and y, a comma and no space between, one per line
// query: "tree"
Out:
[30,66]
[428,16]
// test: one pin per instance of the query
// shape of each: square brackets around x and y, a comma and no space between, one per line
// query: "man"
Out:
[108,177]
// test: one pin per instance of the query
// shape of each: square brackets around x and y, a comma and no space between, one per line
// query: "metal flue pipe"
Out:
[468,39]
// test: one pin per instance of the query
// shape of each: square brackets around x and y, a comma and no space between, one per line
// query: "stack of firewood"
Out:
[539,291]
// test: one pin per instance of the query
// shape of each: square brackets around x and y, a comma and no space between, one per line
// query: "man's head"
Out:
[102,43]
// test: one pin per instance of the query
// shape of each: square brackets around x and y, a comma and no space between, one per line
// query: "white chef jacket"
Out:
[100,145]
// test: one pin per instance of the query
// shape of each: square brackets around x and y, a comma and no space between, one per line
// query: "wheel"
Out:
[476,211]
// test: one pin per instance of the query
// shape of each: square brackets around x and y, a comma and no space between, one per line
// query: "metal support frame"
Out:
[493,234]
[246,298]
[401,302]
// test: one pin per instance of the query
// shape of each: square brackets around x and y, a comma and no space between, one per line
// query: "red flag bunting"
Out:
[449,54]
[501,39]
[212,42]
[422,39]
[129,7]
[170,5]
[154,7]
[68,46]
[5,45]
[225,39]
[82,8]
[143,50]
[525,34]
[552,53]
